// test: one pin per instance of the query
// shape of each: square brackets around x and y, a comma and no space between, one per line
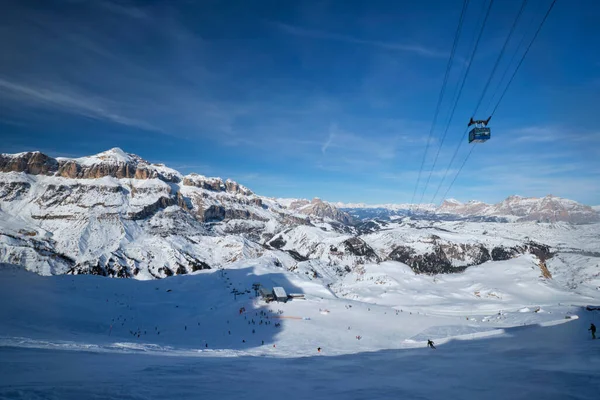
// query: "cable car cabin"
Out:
[479,135]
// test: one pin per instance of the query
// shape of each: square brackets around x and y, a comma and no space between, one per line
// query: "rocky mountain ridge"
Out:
[118,215]
[546,209]
[514,208]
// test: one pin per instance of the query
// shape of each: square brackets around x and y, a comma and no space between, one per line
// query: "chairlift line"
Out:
[462,85]
[442,91]
[506,41]
[459,170]
[495,108]
[524,54]
[481,133]
[501,80]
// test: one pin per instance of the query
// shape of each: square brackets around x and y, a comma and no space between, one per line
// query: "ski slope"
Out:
[184,337]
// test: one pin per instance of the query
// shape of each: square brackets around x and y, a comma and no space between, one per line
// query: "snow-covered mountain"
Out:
[546,209]
[514,208]
[319,208]
[117,214]
[388,206]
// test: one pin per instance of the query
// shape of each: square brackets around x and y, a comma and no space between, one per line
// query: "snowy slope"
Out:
[88,336]
[387,305]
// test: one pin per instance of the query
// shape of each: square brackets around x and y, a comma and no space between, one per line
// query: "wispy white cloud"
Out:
[318,34]
[551,133]
[348,143]
[332,130]
[126,10]
[65,100]
[536,134]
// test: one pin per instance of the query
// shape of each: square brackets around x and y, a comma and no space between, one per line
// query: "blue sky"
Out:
[333,99]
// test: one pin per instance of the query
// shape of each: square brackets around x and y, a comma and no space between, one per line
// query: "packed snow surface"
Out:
[500,331]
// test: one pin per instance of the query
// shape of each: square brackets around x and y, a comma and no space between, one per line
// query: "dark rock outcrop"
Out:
[360,248]
[34,163]
[198,265]
[278,242]
[10,191]
[428,263]
[151,209]
[297,256]
[215,184]
[502,253]
[181,270]
[110,268]
[440,259]
[220,213]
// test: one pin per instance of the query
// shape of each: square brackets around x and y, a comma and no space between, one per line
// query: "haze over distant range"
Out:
[305,100]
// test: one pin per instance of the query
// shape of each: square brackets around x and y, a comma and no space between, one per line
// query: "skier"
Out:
[319,349]
[593,329]
[430,343]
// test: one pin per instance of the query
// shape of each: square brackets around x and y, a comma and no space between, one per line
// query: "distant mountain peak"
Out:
[452,201]
[549,208]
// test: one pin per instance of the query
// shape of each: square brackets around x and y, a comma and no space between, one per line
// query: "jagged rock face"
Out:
[220,213]
[114,163]
[215,184]
[10,191]
[473,254]
[234,187]
[435,262]
[119,265]
[278,242]
[541,251]
[360,248]
[443,257]
[294,205]
[370,226]
[110,269]
[34,163]
[320,209]
[503,253]
[151,209]
[292,220]
[297,256]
